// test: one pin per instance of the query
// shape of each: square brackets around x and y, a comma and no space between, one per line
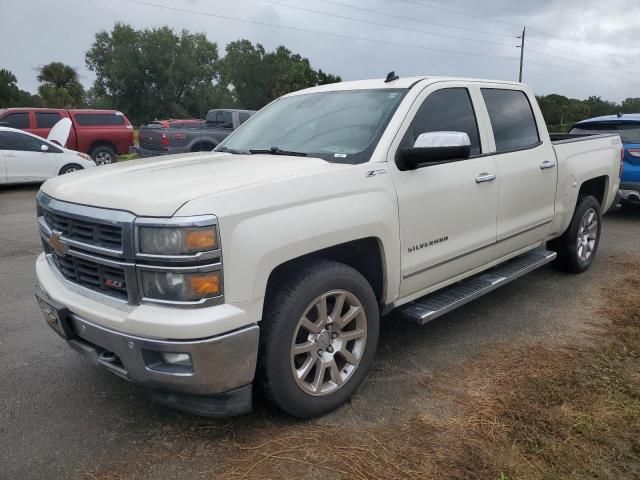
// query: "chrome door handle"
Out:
[485,177]
[547,164]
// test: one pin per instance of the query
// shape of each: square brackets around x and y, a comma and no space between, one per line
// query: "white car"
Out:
[28,158]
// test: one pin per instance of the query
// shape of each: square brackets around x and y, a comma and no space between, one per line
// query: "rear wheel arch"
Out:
[595,187]
[203,146]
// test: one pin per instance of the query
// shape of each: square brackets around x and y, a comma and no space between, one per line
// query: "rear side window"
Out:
[20,142]
[448,110]
[514,126]
[243,117]
[47,119]
[95,119]
[629,132]
[16,120]
[220,119]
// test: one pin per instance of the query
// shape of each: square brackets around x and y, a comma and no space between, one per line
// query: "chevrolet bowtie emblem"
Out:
[57,244]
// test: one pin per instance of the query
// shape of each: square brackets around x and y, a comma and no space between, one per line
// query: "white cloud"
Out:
[35,32]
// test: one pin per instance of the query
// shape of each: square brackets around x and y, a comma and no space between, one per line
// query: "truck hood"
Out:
[159,186]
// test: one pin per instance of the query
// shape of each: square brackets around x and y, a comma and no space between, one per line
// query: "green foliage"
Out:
[60,87]
[154,73]
[11,95]
[562,112]
[257,77]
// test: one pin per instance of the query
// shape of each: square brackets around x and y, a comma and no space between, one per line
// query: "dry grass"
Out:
[522,413]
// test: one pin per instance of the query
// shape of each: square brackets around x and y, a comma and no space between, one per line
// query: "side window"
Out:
[225,119]
[243,117]
[19,142]
[16,120]
[99,119]
[47,119]
[514,125]
[448,110]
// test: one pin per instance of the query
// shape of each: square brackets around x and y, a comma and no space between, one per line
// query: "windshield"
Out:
[340,126]
[629,132]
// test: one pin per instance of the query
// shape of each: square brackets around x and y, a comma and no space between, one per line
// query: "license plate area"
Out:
[56,315]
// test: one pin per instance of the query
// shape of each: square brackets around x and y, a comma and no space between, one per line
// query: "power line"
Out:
[582,45]
[579,62]
[318,32]
[546,65]
[531,29]
[411,19]
[455,12]
[379,24]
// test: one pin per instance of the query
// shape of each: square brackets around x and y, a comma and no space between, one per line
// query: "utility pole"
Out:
[524,32]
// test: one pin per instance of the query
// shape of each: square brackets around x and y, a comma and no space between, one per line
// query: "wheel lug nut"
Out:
[334,335]
[330,349]
[320,352]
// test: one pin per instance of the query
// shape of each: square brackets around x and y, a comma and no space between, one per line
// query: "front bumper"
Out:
[216,382]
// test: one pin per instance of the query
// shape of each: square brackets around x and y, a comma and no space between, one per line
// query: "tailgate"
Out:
[150,136]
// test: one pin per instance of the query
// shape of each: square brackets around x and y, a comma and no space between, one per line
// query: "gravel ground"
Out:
[61,418]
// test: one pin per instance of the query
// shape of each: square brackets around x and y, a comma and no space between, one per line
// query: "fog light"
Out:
[179,359]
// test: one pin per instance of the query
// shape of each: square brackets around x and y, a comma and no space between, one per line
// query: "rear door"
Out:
[526,168]
[24,159]
[45,120]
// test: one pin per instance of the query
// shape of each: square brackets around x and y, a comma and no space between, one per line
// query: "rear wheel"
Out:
[578,246]
[104,155]
[72,167]
[318,339]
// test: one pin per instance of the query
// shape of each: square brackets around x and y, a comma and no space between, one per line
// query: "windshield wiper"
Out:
[232,151]
[278,151]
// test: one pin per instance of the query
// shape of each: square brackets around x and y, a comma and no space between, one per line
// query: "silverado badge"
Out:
[57,244]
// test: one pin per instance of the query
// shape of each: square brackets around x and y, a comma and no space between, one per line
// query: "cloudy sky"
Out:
[575,47]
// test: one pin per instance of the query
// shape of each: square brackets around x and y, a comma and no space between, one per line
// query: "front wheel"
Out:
[578,246]
[318,339]
[72,167]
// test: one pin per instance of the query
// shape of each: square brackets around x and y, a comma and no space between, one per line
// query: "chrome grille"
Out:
[81,230]
[108,280]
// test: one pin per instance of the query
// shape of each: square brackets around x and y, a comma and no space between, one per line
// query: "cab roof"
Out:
[628,117]
[380,83]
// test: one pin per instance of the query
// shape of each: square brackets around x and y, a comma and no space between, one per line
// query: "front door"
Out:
[25,160]
[448,211]
[526,169]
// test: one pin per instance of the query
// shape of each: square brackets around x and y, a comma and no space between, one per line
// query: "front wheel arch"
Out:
[69,168]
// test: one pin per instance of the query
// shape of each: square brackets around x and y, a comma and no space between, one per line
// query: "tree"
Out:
[155,73]
[60,87]
[257,77]
[11,95]
[630,105]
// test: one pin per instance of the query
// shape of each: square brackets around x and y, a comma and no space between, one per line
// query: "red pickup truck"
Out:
[103,134]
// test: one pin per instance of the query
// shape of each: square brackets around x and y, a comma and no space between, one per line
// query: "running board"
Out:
[443,301]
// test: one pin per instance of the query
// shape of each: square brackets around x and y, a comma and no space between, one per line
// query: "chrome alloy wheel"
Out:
[103,158]
[71,169]
[587,235]
[329,342]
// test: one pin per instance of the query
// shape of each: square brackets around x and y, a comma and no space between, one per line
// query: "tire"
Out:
[343,354]
[578,246]
[70,168]
[104,155]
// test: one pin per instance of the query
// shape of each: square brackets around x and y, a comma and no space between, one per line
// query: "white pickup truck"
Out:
[271,260]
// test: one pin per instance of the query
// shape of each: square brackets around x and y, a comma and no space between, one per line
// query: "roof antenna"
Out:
[392,77]
[619,114]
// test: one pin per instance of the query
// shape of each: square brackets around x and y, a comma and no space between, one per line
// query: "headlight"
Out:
[178,240]
[181,287]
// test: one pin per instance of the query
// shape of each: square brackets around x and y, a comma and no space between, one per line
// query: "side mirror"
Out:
[44,148]
[436,147]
